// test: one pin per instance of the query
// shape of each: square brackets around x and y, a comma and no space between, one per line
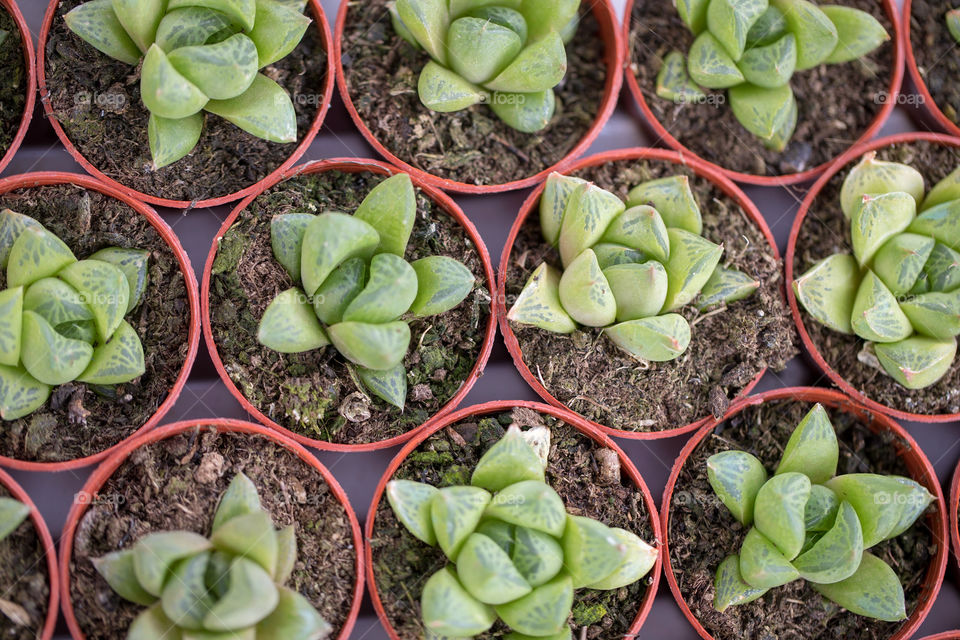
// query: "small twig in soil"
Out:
[513,149]
[719,309]
[593,402]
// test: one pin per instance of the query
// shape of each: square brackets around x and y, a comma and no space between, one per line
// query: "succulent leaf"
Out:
[242,12]
[953,24]
[827,291]
[816,35]
[116,361]
[591,551]
[501,533]
[140,19]
[638,289]
[478,50]
[736,478]
[49,357]
[762,565]
[876,314]
[673,199]
[609,254]
[442,284]
[585,293]
[877,219]
[389,292]
[444,91]
[189,26]
[294,618]
[918,361]
[692,261]
[730,21]
[503,16]
[812,448]
[769,27]
[454,513]
[899,262]
[944,191]
[942,269]
[20,393]
[536,555]
[264,110]
[589,212]
[916,499]
[156,553]
[539,303]
[221,70]
[165,91]
[11,325]
[769,114]
[541,65]
[12,225]
[289,324]
[249,536]
[637,562]
[878,500]
[449,610]
[694,14]
[544,611]
[152,623]
[771,65]
[389,385]
[673,81]
[104,288]
[374,346]
[641,228]
[277,31]
[411,502]
[96,23]
[873,591]
[934,314]
[509,460]
[837,554]
[525,112]
[391,209]
[821,509]
[331,239]
[656,339]
[36,254]
[185,599]
[544,16]
[730,588]
[487,572]
[779,511]
[286,238]
[858,33]
[133,264]
[240,499]
[117,569]
[427,20]
[726,285]
[556,195]
[530,504]
[250,598]
[941,221]
[872,176]
[710,65]
[339,289]
[401,29]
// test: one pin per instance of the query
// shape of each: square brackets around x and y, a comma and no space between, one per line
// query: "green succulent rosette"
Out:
[199,56]
[627,267]
[900,289]
[515,554]
[62,319]
[808,523]
[355,292]
[752,48]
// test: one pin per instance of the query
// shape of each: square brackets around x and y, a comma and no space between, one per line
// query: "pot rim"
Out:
[31,63]
[50,178]
[928,105]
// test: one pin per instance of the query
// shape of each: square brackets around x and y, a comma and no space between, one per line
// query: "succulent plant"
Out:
[62,319]
[808,523]
[228,585]
[753,47]
[953,24]
[507,53]
[355,289]
[200,55]
[12,514]
[514,552]
[626,267]
[900,290]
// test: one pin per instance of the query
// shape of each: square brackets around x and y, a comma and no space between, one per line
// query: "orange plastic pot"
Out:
[927,105]
[662,133]
[946,635]
[349,165]
[606,15]
[954,514]
[50,551]
[47,178]
[319,18]
[27,39]
[699,167]
[919,468]
[499,406]
[106,469]
[842,163]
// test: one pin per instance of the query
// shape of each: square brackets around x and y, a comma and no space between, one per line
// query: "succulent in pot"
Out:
[900,290]
[515,553]
[628,267]
[806,522]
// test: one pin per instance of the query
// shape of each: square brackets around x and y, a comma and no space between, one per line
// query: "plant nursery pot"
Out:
[946,635]
[930,65]
[620,396]
[857,106]
[954,523]
[435,455]
[18,571]
[194,458]
[13,127]
[472,151]
[78,427]
[102,123]
[836,354]
[241,277]
[761,424]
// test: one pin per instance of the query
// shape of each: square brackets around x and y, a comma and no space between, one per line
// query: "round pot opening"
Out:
[933,70]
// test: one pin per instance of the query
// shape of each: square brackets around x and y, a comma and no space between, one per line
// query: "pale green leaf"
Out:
[918,361]
[502,533]
[642,228]
[374,346]
[117,569]
[12,225]
[591,551]
[331,239]
[391,209]
[637,562]
[96,23]
[769,114]
[876,314]
[48,356]
[944,191]
[812,448]
[639,289]
[185,597]
[525,112]
[36,254]
[278,30]
[442,284]
[609,254]
[821,509]
[899,262]
[140,19]
[877,219]
[222,70]
[730,21]
[726,285]
[250,535]
[544,16]
[553,204]
[673,199]
[11,323]
[692,261]
[541,65]
[934,314]
[389,292]
[674,83]
[858,33]
[289,324]
[339,289]
[878,500]
[454,514]
[389,385]
[133,263]
[762,565]
[241,12]
[544,611]
[771,65]
[265,110]
[509,460]
[116,361]
[487,572]
[953,24]
[156,553]
[694,14]
[816,34]
[411,502]
[20,393]
[293,619]
[401,29]
[941,221]
[164,90]
[449,610]
[656,339]
[189,26]
[736,477]
[536,555]
[251,597]
[872,176]
[769,27]
[427,21]
[104,288]
[478,50]
[942,269]
[444,91]
[503,16]
[585,293]
[530,504]
[729,587]
[710,65]
[589,212]
[241,498]
[916,499]
[827,291]
[779,511]
[873,591]
[539,303]
[836,555]
[286,238]
[151,624]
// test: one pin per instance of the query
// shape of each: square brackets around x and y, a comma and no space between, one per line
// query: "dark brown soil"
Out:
[402,563]
[702,532]
[824,232]
[176,484]
[78,421]
[728,349]
[937,54]
[314,393]
[25,580]
[836,102]
[471,146]
[13,94]
[97,100]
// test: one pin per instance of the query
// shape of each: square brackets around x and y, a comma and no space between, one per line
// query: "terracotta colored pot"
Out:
[946,635]
[323,26]
[349,165]
[572,419]
[919,467]
[842,162]
[661,132]
[954,514]
[606,16]
[927,105]
[699,167]
[46,178]
[27,39]
[111,464]
[17,493]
